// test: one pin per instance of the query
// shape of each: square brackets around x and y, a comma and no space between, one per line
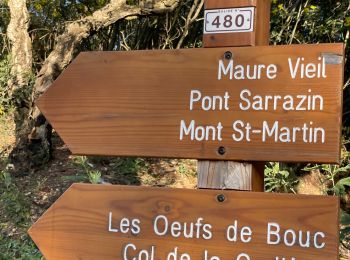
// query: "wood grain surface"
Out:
[230,175]
[77,225]
[132,103]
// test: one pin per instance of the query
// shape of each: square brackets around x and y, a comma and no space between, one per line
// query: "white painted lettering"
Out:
[174,255]
[273,237]
[194,97]
[124,225]
[293,69]
[249,71]
[244,93]
[246,234]
[110,229]
[233,231]
[307,70]
[126,248]
[160,219]
[176,229]
[316,242]
[198,229]
[309,102]
[200,133]
[186,130]
[225,70]
[237,127]
[240,257]
[307,133]
[207,257]
[289,237]
[135,226]
[271,71]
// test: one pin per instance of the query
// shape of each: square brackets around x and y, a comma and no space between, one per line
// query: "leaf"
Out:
[344,182]
[344,169]
[310,168]
[344,218]
[284,173]
[276,168]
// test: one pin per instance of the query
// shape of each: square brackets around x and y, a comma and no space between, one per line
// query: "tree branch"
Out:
[21,45]
[76,31]
[191,17]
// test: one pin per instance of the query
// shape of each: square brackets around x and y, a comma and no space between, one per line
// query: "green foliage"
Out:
[82,162]
[4,20]
[15,215]
[94,176]
[339,188]
[313,21]
[87,170]
[20,249]
[129,165]
[13,202]
[5,99]
[22,95]
[6,179]
[183,169]
[308,21]
[344,235]
[279,178]
[125,170]
[10,99]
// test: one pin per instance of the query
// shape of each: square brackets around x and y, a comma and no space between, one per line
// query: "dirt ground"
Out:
[48,183]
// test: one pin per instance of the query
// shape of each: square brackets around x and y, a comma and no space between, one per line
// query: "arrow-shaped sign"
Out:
[278,103]
[123,222]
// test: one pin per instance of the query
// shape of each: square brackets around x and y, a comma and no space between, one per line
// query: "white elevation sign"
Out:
[229,20]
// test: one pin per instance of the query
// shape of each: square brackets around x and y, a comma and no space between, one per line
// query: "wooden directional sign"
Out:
[278,103]
[116,222]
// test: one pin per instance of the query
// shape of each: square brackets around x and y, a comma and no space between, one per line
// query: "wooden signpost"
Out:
[117,222]
[278,103]
[235,24]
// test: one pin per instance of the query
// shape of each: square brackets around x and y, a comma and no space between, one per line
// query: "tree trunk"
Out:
[21,62]
[36,142]
[21,44]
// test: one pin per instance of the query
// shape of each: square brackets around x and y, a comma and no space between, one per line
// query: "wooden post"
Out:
[229,174]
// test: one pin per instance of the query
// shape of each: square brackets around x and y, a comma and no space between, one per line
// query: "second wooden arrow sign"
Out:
[280,103]
[121,222]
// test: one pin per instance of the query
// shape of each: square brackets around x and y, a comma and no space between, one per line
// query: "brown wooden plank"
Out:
[132,104]
[262,36]
[77,225]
